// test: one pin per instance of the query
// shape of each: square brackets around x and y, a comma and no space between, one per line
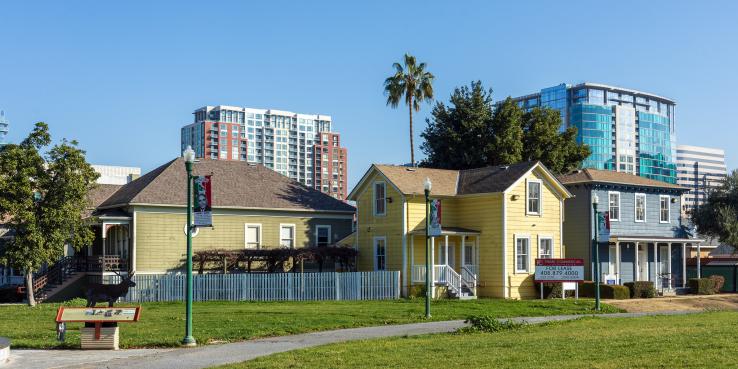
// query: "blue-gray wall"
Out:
[627,226]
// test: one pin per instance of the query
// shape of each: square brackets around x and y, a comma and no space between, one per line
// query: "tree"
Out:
[544,141]
[507,134]
[43,197]
[718,217]
[413,83]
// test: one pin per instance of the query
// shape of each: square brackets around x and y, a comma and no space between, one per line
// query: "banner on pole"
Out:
[202,207]
[603,225]
[435,218]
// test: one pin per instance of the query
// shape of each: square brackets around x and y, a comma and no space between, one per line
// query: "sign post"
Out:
[96,336]
[563,271]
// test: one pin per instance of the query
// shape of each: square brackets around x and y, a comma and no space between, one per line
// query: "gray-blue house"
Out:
[647,241]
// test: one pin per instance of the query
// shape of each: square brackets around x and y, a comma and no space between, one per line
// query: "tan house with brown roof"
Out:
[142,224]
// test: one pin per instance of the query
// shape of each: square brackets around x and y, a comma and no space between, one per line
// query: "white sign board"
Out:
[559,270]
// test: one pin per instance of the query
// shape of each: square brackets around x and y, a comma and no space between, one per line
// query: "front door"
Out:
[451,261]
[642,262]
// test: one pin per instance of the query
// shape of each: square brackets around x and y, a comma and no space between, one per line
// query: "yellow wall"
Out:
[161,243]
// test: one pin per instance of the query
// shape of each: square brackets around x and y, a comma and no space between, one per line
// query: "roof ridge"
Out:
[148,178]
[522,163]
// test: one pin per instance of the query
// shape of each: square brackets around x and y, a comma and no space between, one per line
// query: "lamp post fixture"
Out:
[189,158]
[595,201]
[427,187]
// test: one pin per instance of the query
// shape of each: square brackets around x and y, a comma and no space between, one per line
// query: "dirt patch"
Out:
[687,303]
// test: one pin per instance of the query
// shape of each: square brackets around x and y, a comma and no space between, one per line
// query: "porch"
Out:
[455,259]
[111,250]
[660,260]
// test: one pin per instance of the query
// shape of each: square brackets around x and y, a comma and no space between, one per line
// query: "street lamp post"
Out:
[189,158]
[595,201]
[427,187]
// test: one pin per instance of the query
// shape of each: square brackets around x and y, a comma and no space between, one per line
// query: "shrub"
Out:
[702,286]
[607,291]
[641,289]
[552,290]
[719,282]
[10,294]
[417,291]
[487,323]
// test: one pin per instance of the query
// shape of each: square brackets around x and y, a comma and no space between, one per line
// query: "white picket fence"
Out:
[379,285]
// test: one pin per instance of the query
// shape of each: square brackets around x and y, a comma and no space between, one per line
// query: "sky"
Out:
[123,77]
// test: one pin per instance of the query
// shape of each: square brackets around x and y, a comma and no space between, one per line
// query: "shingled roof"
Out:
[97,195]
[236,184]
[606,176]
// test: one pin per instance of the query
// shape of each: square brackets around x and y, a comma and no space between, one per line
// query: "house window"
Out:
[253,236]
[545,248]
[322,235]
[614,205]
[380,199]
[380,253]
[534,197]
[640,207]
[522,247]
[287,235]
[468,255]
[665,210]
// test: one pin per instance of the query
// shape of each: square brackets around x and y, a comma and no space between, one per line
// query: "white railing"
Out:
[469,279]
[472,268]
[440,273]
[453,279]
[418,273]
[12,280]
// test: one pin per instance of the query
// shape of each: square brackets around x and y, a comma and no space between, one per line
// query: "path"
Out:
[207,356]
[723,301]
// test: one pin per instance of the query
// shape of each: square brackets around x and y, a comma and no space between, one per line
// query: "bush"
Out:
[487,323]
[10,294]
[552,290]
[641,289]
[702,286]
[719,282]
[417,291]
[607,291]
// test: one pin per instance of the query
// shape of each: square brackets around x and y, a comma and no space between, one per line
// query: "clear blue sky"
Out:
[123,77]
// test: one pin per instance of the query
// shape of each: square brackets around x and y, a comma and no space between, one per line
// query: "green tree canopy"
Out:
[42,196]
[718,217]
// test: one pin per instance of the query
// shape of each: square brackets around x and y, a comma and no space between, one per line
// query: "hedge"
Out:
[719,282]
[607,291]
[641,289]
[702,286]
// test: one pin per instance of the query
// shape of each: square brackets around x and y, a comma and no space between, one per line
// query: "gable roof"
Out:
[236,184]
[97,195]
[447,182]
[606,176]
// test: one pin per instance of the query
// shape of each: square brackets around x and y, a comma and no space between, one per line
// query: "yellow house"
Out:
[495,222]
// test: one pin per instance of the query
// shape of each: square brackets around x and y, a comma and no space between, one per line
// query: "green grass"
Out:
[162,324]
[705,340]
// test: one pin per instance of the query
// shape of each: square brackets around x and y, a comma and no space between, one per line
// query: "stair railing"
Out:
[469,279]
[453,279]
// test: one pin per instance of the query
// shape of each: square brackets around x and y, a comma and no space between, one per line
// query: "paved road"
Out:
[207,356]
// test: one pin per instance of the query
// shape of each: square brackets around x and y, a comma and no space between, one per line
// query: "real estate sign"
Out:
[203,201]
[435,218]
[559,270]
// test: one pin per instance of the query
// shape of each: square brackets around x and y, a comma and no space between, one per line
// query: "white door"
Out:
[451,254]
[642,262]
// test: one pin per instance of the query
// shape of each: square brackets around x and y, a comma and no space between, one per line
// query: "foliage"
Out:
[9,294]
[718,217]
[486,323]
[552,290]
[412,83]
[472,132]
[719,282]
[272,260]
[641,289]
[702,286]
[43,197]
[607,291]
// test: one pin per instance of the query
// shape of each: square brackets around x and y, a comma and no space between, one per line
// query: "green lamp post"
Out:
[595,201]
[189,158]
[427,187]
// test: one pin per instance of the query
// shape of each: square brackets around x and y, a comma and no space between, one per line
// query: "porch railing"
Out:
[441,276]
[469,279]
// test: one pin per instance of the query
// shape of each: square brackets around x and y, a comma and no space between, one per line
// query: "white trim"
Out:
[552,178]
[374,251]
[374,199]
[515,254]
[561,228]
[635,207]
[668,208]
[326,216]
[133,243]
[227,208]
[259,241]
[540,197]
[294,233]
[318,226]
[404,281]
[504,245]
[546,237]
[610,206]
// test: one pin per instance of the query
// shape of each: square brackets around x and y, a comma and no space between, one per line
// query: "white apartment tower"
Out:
[700,169]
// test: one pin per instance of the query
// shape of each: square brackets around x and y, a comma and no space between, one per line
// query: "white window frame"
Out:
[540,197]
[668,209]
[609,206]
[540,239]
[374,198]
[245,233]
[374,247]
[317,228]
[515,259]
[635,207]
[294,234]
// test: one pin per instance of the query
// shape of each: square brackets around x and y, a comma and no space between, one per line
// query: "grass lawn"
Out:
[705,340]
[162,324]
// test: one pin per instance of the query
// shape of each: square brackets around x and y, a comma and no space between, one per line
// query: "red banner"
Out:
[202,208]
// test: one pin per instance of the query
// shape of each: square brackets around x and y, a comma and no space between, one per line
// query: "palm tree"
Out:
[413,83]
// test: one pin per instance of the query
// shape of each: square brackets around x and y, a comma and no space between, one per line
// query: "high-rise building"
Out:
[3,128]
[300,146]
[116,175]
[627,130]
[700,169]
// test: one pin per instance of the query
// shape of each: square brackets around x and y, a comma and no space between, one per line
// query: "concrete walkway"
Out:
[207,356]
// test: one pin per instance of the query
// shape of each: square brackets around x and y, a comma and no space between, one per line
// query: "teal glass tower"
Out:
[627,130]
[3,128]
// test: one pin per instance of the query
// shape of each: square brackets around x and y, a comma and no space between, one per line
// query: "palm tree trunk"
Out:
[29,289]
[412,145]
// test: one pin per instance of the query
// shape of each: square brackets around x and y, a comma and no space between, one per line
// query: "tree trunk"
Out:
[412,145]
[29,289]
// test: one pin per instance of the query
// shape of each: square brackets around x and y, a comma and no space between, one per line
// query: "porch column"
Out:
[699,261]
[432,270]
[668,263]
[684,264]
[104,244]
[412,256]
[445,246]
[617,261]
[655,264]
[636,267]
[463,250]
[476,256]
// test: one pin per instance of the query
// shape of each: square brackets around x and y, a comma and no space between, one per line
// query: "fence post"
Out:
[338,286]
